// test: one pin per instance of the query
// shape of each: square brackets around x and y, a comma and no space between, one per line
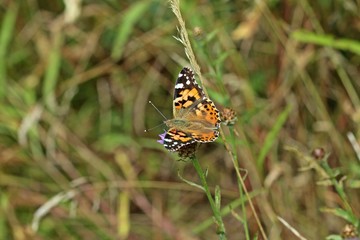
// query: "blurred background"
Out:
[75,81]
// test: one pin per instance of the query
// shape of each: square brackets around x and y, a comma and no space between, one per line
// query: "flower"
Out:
[188,151]
[228,116]
[162,136]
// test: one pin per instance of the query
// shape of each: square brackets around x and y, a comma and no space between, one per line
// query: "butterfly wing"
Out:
[208,115]
[196,119]
[175,139]
[190,103]
[187,92]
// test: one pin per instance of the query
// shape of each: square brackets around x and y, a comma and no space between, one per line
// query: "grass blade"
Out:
[7,29]
[135,13]
[327,41]
[271,137]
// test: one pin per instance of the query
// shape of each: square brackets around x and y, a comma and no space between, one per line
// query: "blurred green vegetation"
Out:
[75,81]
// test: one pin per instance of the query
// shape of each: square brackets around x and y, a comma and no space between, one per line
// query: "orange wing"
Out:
[187,92]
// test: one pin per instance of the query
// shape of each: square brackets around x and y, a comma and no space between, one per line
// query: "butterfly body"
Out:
[196,119]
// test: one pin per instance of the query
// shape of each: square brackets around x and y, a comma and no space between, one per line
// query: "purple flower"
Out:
[162,136]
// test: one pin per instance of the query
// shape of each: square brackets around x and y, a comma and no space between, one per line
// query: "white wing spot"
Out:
[180,75]
[188,82]
[179,86]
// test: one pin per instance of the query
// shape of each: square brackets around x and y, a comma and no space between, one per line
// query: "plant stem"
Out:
[242,190]
[216,211]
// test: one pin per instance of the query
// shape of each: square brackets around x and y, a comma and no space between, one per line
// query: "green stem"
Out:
[338,186]
[216,211]
[241,190]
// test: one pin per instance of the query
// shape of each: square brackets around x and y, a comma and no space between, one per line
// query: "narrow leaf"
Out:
[135,13]
[271,137]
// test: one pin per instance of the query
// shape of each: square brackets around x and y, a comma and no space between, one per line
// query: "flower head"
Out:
[162,136]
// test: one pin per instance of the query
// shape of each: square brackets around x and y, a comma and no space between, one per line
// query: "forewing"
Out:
[187,92]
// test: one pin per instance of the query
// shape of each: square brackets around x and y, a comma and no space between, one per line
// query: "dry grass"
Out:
[76,79]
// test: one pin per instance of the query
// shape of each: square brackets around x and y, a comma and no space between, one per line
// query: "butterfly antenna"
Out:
[147,130]
[158,110]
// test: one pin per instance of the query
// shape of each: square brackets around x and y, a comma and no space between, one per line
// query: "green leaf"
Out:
[190,183]
[218,197]
[327,41]
[4,206]
[126,27]
[348,216]
[334,237]
[6,33]
[272,135]
[52,71]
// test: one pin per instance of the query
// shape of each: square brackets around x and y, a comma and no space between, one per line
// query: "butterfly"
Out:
[196,118]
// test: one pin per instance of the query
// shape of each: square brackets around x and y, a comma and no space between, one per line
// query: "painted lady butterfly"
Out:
[196,119]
